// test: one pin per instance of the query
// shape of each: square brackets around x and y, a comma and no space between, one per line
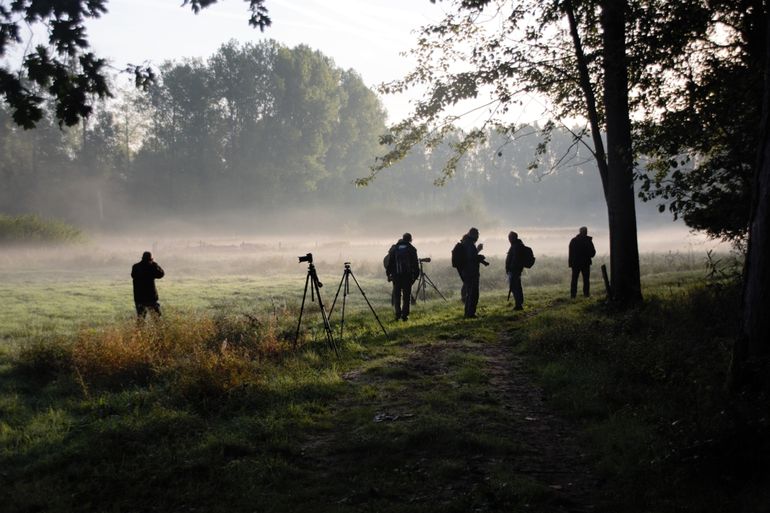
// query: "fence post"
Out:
[606,282]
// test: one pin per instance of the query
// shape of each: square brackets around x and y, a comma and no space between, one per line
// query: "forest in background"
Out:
[258,136]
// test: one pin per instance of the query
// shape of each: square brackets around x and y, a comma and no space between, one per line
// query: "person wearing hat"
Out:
[144,274]
[403,269]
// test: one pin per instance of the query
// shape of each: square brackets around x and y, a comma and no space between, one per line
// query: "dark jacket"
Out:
[513,261]
[410,268]
[581,250]
[144,274]
[470,259]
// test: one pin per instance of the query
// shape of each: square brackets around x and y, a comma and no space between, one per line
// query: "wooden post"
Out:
[606,281]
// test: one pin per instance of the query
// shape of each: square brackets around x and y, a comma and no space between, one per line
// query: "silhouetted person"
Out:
[468,267]
[581,250]
[514,265]
[144,274]
[403,269]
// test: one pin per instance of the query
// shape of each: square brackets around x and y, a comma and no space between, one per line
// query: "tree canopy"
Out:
[699,135]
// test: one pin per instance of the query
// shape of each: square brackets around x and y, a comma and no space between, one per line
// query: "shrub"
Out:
[34,229]
[113,357]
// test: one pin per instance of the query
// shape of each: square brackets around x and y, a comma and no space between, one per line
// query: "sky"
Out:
[365,35]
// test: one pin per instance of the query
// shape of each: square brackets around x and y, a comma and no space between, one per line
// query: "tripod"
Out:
[422,283]
[345,282]
[315,285]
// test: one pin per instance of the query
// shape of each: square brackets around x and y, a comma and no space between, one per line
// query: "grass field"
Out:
[213,409]
[54,296]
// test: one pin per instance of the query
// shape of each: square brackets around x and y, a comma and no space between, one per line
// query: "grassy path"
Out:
[555,456]
[448,425]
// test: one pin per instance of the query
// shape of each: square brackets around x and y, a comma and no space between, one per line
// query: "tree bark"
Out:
[621,206]
[751,353]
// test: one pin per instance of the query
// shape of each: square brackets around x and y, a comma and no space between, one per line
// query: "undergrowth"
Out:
[197,357]
[31,228]
[649,385]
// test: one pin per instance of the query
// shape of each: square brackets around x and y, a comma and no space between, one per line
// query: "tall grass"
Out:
[199,357]
[31,228]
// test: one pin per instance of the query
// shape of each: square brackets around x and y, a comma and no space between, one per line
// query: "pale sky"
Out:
[366,35]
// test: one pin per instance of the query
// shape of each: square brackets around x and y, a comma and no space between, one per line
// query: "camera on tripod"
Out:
[307,258]
[422,283]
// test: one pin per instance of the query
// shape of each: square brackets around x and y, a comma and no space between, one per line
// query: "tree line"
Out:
[253,124]
[259,127]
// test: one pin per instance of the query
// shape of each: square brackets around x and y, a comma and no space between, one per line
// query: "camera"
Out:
[307,258]
[426,260]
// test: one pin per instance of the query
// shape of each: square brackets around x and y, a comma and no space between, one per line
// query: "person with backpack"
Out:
[519,256]
[403,268]
[466,259]
[581,251]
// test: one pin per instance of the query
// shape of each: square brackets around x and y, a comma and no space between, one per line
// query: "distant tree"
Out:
[354,141]
[131,121]
[99,160]
[254,124]
[242,78]
[65,71]
[184,133]
[298,131]
[31,159]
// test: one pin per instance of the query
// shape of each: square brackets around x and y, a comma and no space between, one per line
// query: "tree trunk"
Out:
[621,206]
[751,354]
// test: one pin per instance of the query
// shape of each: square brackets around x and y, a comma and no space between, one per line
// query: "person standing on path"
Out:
[581,250]
[144,274]
[514,266]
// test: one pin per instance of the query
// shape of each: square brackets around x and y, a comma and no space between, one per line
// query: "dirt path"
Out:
[555,456]
[545,450]
[551,453]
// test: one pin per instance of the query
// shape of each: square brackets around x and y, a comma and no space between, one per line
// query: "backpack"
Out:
[402,266]
[527,257]
[457,255]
